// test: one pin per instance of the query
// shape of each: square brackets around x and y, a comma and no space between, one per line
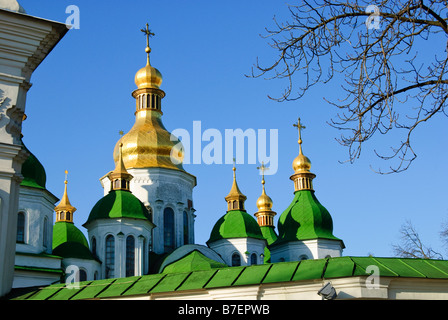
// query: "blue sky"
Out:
[81,98]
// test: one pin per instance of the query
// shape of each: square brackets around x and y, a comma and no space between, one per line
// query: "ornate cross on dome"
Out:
[148,34]
[262,168]
[66,173]
[299,126]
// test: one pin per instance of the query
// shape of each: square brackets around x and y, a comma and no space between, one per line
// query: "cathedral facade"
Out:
[145,221]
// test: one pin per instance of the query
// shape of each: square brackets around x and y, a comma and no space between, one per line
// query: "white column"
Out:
[25,42]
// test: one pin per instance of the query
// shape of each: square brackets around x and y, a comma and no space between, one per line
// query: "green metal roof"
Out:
[33,172]
[67,232]
[239,276]
[235,224]
[118,204]
[193,261]
[305,219]
[70,242]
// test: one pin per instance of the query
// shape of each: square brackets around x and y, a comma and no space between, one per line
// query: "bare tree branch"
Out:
[387,83]
[411,245]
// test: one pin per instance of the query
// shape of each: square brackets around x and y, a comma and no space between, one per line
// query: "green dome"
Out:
[33,172]
[235,224]
[69,241]
[305,219]
[193,261]
[119,204]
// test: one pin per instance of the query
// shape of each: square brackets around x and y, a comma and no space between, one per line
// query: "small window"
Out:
[94,246]
[20,228]
[253,258]
[110,257]
[303,257]
[45,233]
[82,275]
[236,260]
[168,229]
[186,233]
[130,256]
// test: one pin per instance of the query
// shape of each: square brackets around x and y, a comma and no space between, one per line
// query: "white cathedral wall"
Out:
[120,229]
[71,265]
[160,188]
[38,207]
[308,249]
[29,278]
[245,247]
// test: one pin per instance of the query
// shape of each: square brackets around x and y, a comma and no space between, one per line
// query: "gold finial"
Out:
[120,177]
[64,210]
[262,168]
[301,165]
[265,215]
[299,126]
[235,199]
[148,34]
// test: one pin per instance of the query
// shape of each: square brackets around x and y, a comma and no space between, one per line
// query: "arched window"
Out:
[303,257]
[82,275]
[130,256]
[94,247]
[110,256]
[20,228]
[186,232]
[95,275]
[45,233]
[168,229]
[236,260]
[253,258]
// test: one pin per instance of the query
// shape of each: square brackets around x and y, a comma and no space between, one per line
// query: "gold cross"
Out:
[299,126]
[263,168]
[148,34]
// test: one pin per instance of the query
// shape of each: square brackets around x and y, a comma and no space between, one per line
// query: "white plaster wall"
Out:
[227,247]
[121,229]
[37,205]
[308,249]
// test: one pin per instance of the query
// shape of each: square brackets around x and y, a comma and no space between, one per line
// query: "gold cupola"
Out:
[64,210]
[302,177]
[264,215]
[148,143]
[235,199]
[120,177]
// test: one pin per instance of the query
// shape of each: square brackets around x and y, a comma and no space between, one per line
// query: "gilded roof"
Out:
[148,144]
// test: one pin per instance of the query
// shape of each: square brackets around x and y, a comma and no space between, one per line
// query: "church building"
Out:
[140,241]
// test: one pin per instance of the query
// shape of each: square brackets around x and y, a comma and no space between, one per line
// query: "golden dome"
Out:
[148,77]
[148,144]
[301,163]
[264,202]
